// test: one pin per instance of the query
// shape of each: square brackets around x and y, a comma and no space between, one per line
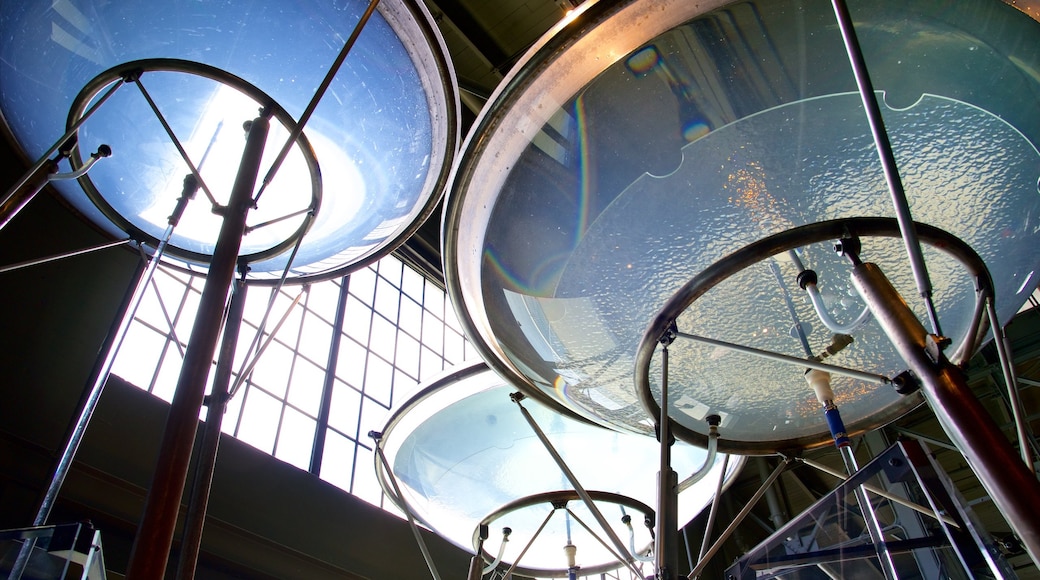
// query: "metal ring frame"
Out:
[762,250]
[552,498]
[121,73]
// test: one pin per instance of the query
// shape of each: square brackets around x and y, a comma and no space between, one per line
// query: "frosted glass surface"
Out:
[383,134]
[568,229]
[461,450]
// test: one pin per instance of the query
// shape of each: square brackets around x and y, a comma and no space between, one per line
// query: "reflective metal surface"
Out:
[646,141]
[384,132]
[463,454]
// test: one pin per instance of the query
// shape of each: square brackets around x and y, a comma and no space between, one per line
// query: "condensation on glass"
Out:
[645,141]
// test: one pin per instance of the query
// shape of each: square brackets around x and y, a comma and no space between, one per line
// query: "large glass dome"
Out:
[648,140]
[463,454]
[383,135]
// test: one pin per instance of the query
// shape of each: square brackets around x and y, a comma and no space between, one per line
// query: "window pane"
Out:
[272,369]
[295,439]
[391,270]
[387,298]
[350,366]
[431,364]
[259,419]
[345,409]
[407,355]
[169,372]
[307,383]
[378,380]
[383,336]
[337,460]
[363,285]
[412,284]
[139,355]
[410,320]
[433,333]
[366,486]
[315,339]
[323,299]
[357,320]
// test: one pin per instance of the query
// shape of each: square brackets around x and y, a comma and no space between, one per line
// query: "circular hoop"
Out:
[761,250]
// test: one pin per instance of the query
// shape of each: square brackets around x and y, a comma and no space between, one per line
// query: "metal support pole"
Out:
[206,458]
[151,549]
[888,160]
[378,439]
[1012,486]
[666,542]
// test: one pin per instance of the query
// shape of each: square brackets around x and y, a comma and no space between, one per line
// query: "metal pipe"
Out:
[248,364]
[206,458]
[887,159]
[93,396]
[297,130]
[38,261]
[1013,487]
[103,151]
[816,299]
[880,492]
[713,511]
[804,363]
[151,548]
[738,519]
[19,197]
[1000,340]
[573,479]
[877,535]
[404,506]
[666,543]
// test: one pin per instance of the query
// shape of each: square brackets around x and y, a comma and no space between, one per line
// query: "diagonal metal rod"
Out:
[56,257]
[509,572]
[1010,381]
[863,376]
[887,158]
[714,510]
[176,142]
[584,495]
[404,505]
[739,518]
[313,104]
[249,363]
[880,492]
[592,533]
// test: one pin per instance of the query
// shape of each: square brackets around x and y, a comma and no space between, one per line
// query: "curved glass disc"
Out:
[383,134]
[626,160]
[461,450]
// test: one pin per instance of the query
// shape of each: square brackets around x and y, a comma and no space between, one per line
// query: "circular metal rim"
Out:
[532,65]
[435,385]
[132,69]
[761,250]
[552,497]
[452,110]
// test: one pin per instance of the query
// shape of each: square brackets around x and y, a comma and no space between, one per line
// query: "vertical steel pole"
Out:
[206,458]
[151,549]
[666,547]
[1010,483]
